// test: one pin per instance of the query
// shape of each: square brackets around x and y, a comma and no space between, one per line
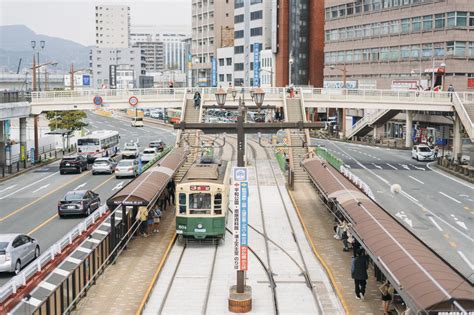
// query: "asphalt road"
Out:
[28,203]
[436,206]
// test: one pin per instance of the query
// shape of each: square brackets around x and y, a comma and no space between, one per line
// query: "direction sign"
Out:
[98,100]
[133,101]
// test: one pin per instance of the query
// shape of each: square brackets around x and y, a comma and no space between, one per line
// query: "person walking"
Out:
[450,91]
[197,100]
[150,222]
[359,267]
[387,293]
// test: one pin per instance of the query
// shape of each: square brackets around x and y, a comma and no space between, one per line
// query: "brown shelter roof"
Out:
[425,281]
[149,185]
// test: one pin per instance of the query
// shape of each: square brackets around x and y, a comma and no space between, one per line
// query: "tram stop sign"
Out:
[133,101]
[240,219]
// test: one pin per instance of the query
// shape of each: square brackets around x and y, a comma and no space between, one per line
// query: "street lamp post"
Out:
[344,86]
[42,43]
[290,64]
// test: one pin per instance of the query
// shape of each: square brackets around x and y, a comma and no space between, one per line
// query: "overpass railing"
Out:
[376,95]
[14,97]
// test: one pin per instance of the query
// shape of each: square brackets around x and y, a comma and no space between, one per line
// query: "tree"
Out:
[70,120]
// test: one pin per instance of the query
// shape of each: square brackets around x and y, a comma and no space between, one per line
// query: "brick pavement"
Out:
[121,288]
[319,222]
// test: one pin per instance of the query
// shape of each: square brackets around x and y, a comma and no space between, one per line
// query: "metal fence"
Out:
[14,96]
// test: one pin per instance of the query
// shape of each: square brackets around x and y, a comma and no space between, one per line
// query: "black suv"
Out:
[76,163]
[78,202]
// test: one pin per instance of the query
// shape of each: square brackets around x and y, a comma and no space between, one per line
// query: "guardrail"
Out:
[331,159]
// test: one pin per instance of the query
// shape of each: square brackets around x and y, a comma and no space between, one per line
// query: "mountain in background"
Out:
[15,43]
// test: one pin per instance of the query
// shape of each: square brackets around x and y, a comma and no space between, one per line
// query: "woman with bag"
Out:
[387,292]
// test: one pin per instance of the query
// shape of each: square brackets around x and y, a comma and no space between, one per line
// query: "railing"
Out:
[463,115]
[331,159]
[367,120]
[466,97]
[14,97]
[21,279]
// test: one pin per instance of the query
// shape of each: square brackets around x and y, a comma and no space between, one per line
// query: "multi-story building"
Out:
[112,26]
[299,40]
[154,54]
[225,66]
[395,44]
[267,68]
[212,28]
[252,34]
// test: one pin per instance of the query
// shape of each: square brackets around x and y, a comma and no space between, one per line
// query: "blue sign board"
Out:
[256,64]
[214,72]
[86,79]
[240,218]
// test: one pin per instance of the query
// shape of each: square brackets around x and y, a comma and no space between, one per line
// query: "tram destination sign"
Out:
[240,218]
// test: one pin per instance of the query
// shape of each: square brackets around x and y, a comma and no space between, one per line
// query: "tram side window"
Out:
[200,203]
[218,204]
[182,203]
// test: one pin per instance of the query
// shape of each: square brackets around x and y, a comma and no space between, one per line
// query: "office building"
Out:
[154,54]
[212,28]
[225,66]
[300,42]
[112,26]
[395,44]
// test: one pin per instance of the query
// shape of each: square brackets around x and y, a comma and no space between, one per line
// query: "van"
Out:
[137,122]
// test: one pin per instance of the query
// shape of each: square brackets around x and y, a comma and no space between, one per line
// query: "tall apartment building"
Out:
[399,44]
[253,33]
[112,26]
[300,38]
[154,53]
[212,28]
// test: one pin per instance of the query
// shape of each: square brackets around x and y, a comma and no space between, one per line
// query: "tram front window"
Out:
[200,203]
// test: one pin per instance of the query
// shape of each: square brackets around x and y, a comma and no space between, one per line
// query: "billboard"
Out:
[113,76]
[214,72]
[240,195]
[256,64]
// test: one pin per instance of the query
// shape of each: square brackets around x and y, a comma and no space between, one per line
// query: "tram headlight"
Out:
[199,226]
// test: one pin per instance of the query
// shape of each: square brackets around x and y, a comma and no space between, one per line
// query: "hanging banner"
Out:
[214,72]
[240,218]
[256,64]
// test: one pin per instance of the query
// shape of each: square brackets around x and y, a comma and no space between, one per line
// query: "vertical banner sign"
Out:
[214,72]
[256,64]
[113,76]
[240,219]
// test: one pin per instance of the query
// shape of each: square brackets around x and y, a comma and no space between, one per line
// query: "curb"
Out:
[456,174]
[25,170]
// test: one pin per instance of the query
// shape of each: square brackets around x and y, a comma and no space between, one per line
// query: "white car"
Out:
[422,152]
[126,168]
[103,165]
[16,251]
[149,154]
[130,151]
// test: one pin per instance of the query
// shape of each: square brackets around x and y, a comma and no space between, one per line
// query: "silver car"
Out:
[149,154]
[103,165]
[126,168]
[16,251]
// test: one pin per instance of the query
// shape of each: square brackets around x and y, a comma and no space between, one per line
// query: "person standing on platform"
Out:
[359,267]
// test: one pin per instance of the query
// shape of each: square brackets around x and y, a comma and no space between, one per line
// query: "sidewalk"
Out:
[319,222]
[122,286]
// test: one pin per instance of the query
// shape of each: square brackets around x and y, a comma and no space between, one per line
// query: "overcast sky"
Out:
[75,19]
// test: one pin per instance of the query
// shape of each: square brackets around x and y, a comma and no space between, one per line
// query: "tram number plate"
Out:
[179,232]
[200,230]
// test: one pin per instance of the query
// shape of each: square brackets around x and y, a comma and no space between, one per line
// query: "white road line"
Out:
[418,168]
[419,181]
[404,166]
[377,166]
[450,177]
[18,190]
[8,188]
[80,186]
[410,197]
[466,260]
[42,187]
[455,200]
[392,166]
[435,224]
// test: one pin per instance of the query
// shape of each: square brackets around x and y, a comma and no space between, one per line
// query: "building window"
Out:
[427,22]
[257,31]
[221,77]
[415,51]
[427,50]
[239,34]
[405,26]
[416,24]
[238,66]
[256,15]
[239,18]
[439,21]
[238,49]
[439,49]
[228,62]
[229,77]
[221,62]
[405,52]
[471,19]
[461,19]
[471,50]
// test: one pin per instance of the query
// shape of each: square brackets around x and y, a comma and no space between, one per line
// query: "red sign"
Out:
[133,101]
[470,83]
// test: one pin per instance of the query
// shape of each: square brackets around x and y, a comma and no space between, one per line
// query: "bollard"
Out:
[3,171]
[10,168]
[18,166]
[24,163]
[55,154]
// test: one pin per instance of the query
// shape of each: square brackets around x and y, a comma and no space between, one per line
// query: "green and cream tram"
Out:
[202,200]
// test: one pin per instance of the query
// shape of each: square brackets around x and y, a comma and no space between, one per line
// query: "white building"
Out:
[253,26]
[267,68]
[225,66]
[112,25]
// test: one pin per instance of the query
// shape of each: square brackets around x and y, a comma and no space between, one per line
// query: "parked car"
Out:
[422,152]
[16,251]
[78,202]
[126,168]
[159,145]
[103,165]
[77,164]
[149,154]
[130,151]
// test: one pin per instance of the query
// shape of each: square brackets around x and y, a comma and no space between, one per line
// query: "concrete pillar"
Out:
[23,139]
[2,143]
[409,130]
[375,132]
[457,140]
[36,135]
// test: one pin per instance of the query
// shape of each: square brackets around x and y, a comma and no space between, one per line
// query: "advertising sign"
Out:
[256,64]
[214,72]
[470,83]
[113,76]
[86,79]
[404,85]
[240,218]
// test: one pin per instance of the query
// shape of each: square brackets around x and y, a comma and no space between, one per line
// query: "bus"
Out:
[98,143]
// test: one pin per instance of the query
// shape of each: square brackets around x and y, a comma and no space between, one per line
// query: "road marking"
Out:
[405,218]
[43,224]
[458,222]
[18,190]
[435,223]
[410,197]
[118,186]
[471,266]
[450,177]
[392,166]
[446,236]
[377,166]
[404,166]
[419,181]
[8,188]
[42,197]
[418,168]
[80,186]
[453,244]
[42,187]
[455,200]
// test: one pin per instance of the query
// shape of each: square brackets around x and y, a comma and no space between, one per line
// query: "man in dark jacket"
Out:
[359,273]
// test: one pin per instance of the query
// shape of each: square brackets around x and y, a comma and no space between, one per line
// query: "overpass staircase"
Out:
[294,112]
[464,106]
[188,138]
[367,123]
